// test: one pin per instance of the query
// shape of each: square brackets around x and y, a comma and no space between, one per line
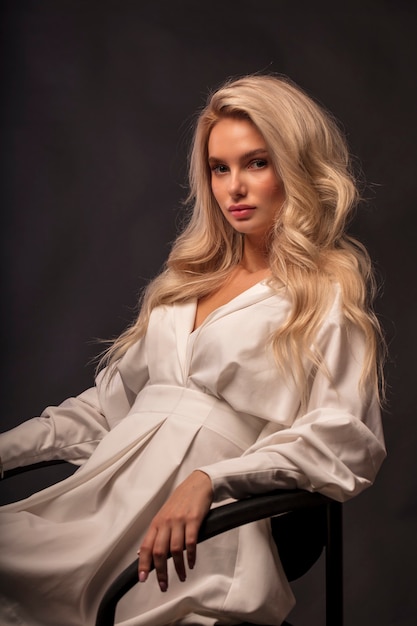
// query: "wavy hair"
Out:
[309,248]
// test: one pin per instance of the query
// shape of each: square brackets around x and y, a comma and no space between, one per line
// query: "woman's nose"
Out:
[237,185]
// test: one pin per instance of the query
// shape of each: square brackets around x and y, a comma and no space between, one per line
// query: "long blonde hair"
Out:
[309,249]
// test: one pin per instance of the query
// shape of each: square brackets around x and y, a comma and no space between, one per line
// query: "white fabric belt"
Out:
[200,408]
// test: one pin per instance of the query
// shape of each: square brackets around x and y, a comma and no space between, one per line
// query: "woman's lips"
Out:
[241,211]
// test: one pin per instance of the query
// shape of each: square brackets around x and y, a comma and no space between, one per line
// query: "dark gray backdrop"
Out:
[98,99]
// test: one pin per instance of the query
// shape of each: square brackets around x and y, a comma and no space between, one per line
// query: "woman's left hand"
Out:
[176,527]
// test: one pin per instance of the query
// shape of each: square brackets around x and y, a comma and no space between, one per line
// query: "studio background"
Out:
[98,101]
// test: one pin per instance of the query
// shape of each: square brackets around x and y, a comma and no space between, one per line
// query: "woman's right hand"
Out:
[175,528]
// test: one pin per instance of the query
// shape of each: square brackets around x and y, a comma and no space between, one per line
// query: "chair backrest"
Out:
[300,537]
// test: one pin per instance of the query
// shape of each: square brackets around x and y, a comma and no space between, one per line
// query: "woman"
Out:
[253,365]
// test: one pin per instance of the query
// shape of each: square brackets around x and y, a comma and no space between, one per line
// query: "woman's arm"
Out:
[335,447]
[72,430]
[69,431]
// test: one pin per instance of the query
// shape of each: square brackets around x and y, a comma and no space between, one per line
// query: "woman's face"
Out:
[244,183]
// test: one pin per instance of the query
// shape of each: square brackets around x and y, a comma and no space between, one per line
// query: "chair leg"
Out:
[334,565]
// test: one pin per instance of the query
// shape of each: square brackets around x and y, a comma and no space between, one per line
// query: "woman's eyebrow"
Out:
[243,157]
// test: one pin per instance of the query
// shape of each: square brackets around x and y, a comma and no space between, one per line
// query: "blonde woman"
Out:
[254,364]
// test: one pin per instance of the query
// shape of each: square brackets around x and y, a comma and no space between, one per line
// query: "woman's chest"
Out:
[239,282]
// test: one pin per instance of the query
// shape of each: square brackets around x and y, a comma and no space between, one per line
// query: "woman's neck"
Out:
[255,258]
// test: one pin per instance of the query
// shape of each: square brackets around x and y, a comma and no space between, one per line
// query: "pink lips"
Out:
[241,211]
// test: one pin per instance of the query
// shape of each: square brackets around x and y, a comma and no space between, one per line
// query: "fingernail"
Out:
[142,577]
[163,586]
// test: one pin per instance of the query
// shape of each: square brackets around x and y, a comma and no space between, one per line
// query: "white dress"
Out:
[211,399]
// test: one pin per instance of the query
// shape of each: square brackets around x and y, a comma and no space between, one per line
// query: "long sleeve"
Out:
[72,430]
[69,431]
[336,447]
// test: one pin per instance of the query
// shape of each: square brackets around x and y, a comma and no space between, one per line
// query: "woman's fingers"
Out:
[156,547]
[145,554]
[191,534]
[160,556]
[184,538]
[154,550]
[175,528]
[177,550]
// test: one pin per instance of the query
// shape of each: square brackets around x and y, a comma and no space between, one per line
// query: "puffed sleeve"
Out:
[335,447]
[72,430]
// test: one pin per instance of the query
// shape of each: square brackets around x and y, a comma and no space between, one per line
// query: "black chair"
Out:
[303,524]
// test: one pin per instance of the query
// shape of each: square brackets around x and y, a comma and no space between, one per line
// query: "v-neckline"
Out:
[184,318]
[194,330]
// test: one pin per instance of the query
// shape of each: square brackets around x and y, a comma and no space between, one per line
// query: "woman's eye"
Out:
[258,163]
[219,169]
